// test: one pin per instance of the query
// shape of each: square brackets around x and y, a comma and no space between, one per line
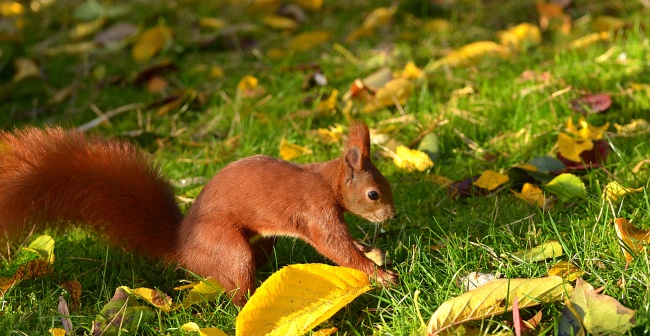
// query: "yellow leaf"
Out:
[635,127]
[297,298]
[86,28]
[608,23]
[155,297]
[397,90]
[568,271]
[57,331]
[632,240]
[11,8]
[545,251]
[308,40]
[497,297]
[377,18]
[43,246]
[490,180]
[193,327]
[216,72]
[533,195]
[280,22]
[411,159]
[590,39]
[571,148]
[333,134]
[471,54]
[584,130]
[614,191]
[312,5]
[437,26]
[411,71]
[25,68]
[329,104]
[150,43]
[276,54]
[520,35]
[441,180]
[206,290]
[325,332]
[71,49]
[289,151]
[526,166]
[247,83]
[212,23]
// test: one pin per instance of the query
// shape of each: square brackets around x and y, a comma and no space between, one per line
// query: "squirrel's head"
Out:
[364,190]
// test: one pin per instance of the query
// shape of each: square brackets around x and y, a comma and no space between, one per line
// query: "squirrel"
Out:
[53,176]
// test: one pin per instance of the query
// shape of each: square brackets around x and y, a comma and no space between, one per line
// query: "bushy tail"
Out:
[51,176]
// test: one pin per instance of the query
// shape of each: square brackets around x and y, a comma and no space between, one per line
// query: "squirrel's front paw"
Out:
[387,277]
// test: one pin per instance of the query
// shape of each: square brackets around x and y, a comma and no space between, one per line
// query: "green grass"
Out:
[509,128]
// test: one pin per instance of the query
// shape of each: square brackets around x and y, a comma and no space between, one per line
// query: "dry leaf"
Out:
[71,49]
[248,87]
[494,298]
[632,239]
[297,298]
[325,332]
[156,84]
[202,291]
[332,134]
[154,297]
[523,34]
[571,148]
[533,195]
[410,71]
[312,5]
[289,151]
[599,314]
[62,308]
[588,40]
[216,72]
[490,180]
[150,43]
[56,331]
[411,159]
[568,271]
[396,91]
[614,191]
[550,249]
[474,280]
[25,68]
[11,8]
[212,23]
[637,167]
[635,127]
[308,40]
[193,327]
[377,18]
[329,104]
[280,22]
[471,54]
[585,131]
[86,28]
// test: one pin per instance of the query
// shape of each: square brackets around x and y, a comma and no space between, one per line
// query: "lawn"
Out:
[202,84]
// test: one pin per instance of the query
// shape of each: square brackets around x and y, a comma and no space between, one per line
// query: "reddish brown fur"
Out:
[50,175]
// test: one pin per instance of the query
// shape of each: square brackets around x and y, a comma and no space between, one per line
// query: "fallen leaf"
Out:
[43,245]
[25,68]
[193,327]
[74,289]
[567,270]
[121,315]
[86,28]
[521,35]
[635,127]
[57,331]
[62,308]
[593,103]
[248,87]
[571,148]
[441,180]
[599,314]
[588,40]
[584,130]
[632,240]
[604,23]
[589,159]
[212,23]
[494,298]
[396,91]
[533,195]
[567,187]
[637,167]
[11,8]
[465,188]
[614,191]
[379,17]
[308,40]
[411,159]
[156,84]
[297,298]
[550,249]
[332,134]
[202,291]
[115,33]
[150,43]
[471,54]
[289,151]
[325,332]
[71,49]
[329,104]
[280,22]
[490,180]
[430,144]
[312,5]
[474,280]
[154,297]
[410,71]
[216,72]
[547,12]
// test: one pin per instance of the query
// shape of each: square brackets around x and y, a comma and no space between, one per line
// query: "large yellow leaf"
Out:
[297,298]
[584,130]
[396,91]
[520,35]
[497,297]
[150,43]
[154,297]
[533,195]
[411,159]
[614,191]
[490,180]
[567,270]
[545,251]
[205,290]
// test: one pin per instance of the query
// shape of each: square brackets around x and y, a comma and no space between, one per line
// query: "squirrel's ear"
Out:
[359,137]
[353,159]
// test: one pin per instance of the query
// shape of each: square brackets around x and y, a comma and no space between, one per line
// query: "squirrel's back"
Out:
[51,176]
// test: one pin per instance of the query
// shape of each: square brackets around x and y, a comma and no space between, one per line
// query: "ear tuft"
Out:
[359,137]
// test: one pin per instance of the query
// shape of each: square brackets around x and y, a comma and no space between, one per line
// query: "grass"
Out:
[509,121]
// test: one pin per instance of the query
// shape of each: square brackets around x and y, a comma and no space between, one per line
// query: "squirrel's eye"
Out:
[373,195]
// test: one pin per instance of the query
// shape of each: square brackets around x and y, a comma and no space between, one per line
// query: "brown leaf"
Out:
[593,103]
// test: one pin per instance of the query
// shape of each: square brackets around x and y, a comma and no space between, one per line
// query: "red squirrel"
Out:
[50,176]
